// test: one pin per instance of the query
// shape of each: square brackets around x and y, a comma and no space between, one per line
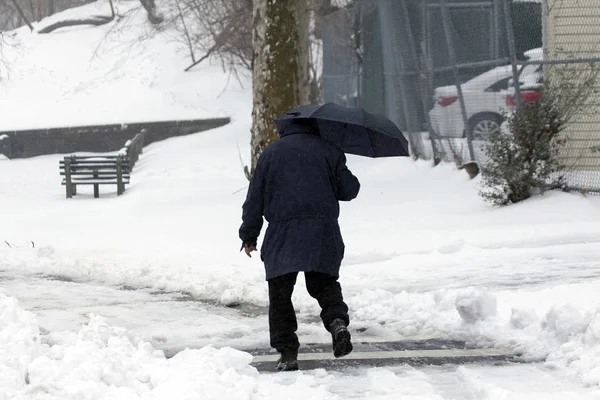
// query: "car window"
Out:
[502,84]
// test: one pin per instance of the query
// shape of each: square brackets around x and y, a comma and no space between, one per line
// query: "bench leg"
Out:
[68,183]
[120,185]
[74,189]
[96,186]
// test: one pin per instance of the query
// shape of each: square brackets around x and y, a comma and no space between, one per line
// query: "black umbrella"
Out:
[354,130]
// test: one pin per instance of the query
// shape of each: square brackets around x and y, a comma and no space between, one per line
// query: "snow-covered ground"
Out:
[92,289]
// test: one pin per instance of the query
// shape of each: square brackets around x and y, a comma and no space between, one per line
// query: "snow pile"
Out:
[476,305]
[98,360]
[19,344]
[101,361]
[576,334]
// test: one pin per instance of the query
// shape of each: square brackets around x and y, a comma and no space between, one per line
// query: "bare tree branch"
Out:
[204,57]
[224,27]
[186,32]
[95,21]
[22,14]
[112,8]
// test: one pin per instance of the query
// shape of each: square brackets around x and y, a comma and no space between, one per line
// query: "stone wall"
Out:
[98,138]
[5,145]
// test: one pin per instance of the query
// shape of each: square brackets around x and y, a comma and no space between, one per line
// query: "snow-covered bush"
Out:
[526,159]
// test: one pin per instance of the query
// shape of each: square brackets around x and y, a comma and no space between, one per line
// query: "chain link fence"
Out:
[446,71]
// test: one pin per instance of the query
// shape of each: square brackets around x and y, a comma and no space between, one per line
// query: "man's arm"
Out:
[252,210]
[348,185]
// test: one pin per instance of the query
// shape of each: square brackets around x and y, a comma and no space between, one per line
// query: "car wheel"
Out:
[483,125]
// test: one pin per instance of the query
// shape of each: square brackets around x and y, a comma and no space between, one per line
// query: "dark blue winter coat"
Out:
[297,184]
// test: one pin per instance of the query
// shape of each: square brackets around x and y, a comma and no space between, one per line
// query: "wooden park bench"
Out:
[102,170]
[94,170]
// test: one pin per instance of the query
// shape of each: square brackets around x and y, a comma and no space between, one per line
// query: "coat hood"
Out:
[300,125]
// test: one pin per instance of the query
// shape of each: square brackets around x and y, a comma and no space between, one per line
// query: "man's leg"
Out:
[282,317]
[327,291]
[334,312]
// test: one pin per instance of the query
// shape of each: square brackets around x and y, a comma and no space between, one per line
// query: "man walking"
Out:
[297,185]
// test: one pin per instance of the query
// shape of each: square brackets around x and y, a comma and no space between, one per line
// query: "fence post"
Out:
[452,54]
[512,51]
[387,26]
[422,84]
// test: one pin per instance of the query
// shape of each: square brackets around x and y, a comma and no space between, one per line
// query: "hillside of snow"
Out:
[124,71]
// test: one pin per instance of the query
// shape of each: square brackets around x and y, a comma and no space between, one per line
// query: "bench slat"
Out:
[101,158]
[100,178]
[78,181]
[92,172]
[94,182]
[75,164]
[95,160]
[95,167]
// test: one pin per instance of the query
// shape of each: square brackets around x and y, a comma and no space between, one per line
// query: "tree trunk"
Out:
[153,15]
[280,78]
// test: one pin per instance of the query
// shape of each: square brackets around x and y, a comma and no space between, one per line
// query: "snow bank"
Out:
[575,337]
[476,305]
[105,362]
[19,345]
[101,361]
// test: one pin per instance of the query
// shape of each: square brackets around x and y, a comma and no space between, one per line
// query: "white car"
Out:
[485,98]
[485,101]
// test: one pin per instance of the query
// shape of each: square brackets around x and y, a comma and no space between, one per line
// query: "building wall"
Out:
[572,30]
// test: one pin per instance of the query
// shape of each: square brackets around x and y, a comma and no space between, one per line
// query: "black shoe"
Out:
[342,346]
[288,360]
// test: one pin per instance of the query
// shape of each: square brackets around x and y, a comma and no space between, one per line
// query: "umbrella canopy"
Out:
[354,130]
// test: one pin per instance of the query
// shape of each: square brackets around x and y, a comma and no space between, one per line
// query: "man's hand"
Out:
[249,249]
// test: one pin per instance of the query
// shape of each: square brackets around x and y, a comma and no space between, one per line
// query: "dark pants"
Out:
[282,317]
